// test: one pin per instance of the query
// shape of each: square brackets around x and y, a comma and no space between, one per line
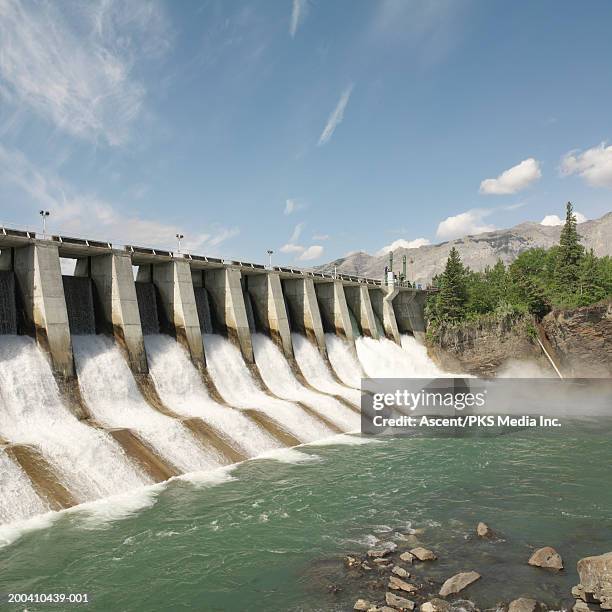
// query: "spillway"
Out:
[384,358]
[316,372]
[111,393]
[344,361]
[88,461]
[180,387]
[237,386]
[279,378]
[18,500]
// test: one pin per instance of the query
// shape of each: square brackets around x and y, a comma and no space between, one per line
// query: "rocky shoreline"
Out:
[392,577]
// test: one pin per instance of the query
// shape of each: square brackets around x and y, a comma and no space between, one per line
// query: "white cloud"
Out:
[298,12]
[292,205]
[404,244]
[468,222]
[552,220]
[515,179]
[87,215]
[312,252]
[73,64]
[297,231]
[291,248]
[594,165]
[335,119]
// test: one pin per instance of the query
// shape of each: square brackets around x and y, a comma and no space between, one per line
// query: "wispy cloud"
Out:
[298,12]
[297,231]
[320,237]
[312,252]
[593,165]
[291,248]
[73,64]
[514,179]
[292,205]
[74,212]
[335,119]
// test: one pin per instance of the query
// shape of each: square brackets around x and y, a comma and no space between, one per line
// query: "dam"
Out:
[146,364]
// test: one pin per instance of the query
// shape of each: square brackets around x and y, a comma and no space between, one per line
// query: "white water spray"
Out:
[279,378]
[180,387]
[112,395]
[344,361]
[316,372]
[88,461]
[18,500]
[237,386]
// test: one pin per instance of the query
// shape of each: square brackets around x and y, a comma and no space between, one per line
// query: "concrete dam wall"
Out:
[145,364]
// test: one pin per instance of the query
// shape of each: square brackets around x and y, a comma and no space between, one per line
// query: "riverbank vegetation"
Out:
[537,281]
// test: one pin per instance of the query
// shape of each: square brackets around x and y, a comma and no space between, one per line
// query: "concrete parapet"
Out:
[175,286]
[358,301]
[334,309]
[409,307]
[116,298]
[223,284]
[304,310]
[39,279]
[389,321]
[267,296]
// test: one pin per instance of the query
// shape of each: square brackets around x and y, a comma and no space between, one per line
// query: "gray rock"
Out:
[377,553]
[483,530]
[436,605]
[407,557]
[362,604]
[596,579]
[400,571]
[397,584]
[582,606]
[423,554]
[401,603]
[458,582]
[546,557]
[523,604]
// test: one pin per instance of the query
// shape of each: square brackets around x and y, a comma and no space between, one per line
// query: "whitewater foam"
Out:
[344,361]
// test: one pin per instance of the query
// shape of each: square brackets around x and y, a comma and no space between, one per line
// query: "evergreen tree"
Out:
[569,256]
[452,298]
[591,284]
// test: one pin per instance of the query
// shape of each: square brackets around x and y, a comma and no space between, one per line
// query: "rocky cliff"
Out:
[582,339]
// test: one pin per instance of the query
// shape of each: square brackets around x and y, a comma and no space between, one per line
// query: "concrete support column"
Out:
[304,310]
[6,259]
[358,300]
[389,321]
[335,309]
[113,280]
[224,286]
[174,283]
[39,278]
[267,297]
[409,308]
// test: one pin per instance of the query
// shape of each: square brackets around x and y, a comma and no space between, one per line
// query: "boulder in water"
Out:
[484,531]
[523,604]
[458,582]
[423,554]
[398,570]
[407,557]
[362,605]
[596,580]
[400,603]
[546,557]
[436,605]
[399,585]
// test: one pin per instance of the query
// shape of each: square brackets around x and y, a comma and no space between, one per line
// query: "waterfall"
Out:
[147,306]
[344,361]
[18,500]
[8,309]
[204,312]
[88,461]
[180,387]
[79,304]
[236,385]
[279,378]
[316,372]
[385,359]
[111,393]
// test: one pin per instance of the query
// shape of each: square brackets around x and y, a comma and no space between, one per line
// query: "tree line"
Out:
[538,280]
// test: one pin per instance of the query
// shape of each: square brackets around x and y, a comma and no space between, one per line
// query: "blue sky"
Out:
[311,127]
